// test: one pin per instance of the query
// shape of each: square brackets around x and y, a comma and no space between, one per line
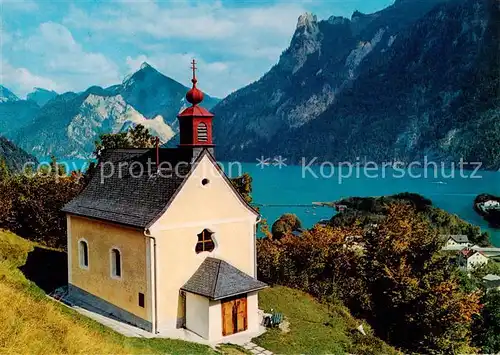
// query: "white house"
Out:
[456,241]
[492,282]
[490,204]
[469,259]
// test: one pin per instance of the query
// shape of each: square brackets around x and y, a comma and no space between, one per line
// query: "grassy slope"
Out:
[33,324]
[314,327]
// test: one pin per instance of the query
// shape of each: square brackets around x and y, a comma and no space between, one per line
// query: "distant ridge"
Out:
[419,77]
[14,156]
[68,124]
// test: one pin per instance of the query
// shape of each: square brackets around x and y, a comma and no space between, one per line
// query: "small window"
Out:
[205,182]
[116,263]
[141,299]
[205,242]
[202,132]
[83,254]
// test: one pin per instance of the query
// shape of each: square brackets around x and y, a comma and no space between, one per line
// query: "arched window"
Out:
[116,263]
[202,132]
[205,242]
[83,253]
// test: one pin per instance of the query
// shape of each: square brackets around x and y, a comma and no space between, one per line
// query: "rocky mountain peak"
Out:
[6,95]
[41,96]
[306,20]
[304,42]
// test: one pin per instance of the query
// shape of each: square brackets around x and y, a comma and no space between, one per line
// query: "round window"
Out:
[205,182]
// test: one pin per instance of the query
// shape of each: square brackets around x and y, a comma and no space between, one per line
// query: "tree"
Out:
[321,261]
[243,184]
[135,137]
[391,273]
[286,224]
[4,170]
[31,205]
[415,299]
[487,326]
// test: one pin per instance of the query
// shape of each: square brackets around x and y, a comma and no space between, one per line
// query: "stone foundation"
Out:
[86,300]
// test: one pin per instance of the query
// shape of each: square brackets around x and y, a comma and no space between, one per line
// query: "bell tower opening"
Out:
[202,132]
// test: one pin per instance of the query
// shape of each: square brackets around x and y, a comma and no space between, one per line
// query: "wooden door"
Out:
[234,315]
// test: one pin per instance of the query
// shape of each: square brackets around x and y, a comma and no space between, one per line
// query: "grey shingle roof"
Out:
[218,279]
[127,196]
[460,238]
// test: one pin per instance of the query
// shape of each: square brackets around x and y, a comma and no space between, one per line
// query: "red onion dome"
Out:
[195,95]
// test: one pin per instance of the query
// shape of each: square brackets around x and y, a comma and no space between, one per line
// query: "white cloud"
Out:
[22,81]
[243,31]
[19,5]
[234,45]
[134,64]
[62,56]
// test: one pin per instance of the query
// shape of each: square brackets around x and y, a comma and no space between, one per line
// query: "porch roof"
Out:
[217,279]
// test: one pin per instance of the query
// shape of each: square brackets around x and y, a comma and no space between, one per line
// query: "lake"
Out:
[288,185]
[451,190]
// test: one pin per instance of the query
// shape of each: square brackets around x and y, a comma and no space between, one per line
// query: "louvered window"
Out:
[202,132]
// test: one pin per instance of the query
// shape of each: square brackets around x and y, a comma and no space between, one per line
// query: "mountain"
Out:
[152,94]
[41,96]
[6,95]
[417,78]
[14,112]
[14,156]
[69,125]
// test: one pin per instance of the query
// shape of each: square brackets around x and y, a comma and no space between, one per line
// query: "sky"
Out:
[67,45]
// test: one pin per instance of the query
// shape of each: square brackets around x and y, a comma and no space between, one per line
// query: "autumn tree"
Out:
[415,299]
[487,326]
[391,273]
[322,261]
[243,184]
[286,224]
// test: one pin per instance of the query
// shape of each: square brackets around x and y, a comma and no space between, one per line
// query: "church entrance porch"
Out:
[221,300]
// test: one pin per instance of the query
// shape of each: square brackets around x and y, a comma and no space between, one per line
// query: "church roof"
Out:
[132,197]
[118,191]
[217,279]
[196,111]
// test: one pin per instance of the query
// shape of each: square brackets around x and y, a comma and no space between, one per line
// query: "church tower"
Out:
[195,122]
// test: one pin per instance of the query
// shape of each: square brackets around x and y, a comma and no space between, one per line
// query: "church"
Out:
[172,247]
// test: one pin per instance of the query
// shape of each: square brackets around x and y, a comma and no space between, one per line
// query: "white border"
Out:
[69,248]
[115,277]
[83,267]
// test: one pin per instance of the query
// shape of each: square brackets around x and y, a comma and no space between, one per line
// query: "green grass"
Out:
[34,324]
[315,328]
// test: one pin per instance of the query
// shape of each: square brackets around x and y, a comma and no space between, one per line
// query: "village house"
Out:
[491,204]
[166,249]
[492,282]
[453,241]
[469,259]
